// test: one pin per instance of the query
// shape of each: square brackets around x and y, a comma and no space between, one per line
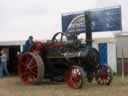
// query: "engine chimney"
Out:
[88,28]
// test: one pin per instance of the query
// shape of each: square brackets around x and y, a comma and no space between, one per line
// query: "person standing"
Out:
[3,64]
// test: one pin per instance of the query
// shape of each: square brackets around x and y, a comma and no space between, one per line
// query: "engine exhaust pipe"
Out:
[88,28]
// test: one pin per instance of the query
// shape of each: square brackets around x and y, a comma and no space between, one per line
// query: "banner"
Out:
[107,19]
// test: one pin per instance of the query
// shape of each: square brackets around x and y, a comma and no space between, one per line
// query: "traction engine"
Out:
[64,58]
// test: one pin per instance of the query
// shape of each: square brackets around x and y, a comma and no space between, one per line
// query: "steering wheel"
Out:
[58,37]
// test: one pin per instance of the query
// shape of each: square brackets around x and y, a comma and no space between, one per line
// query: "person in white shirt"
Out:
[3,64]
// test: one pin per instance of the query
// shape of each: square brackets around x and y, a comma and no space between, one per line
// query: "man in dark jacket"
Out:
[27,44]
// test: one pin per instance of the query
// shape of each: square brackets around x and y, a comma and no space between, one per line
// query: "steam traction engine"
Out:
[63,58]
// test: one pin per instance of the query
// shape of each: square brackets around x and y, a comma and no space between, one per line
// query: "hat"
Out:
[31,37]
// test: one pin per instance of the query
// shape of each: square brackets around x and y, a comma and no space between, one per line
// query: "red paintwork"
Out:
[39,45]
[27,69]
[73,77]
[103,76]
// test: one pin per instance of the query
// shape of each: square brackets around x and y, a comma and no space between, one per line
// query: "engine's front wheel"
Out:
[104,75]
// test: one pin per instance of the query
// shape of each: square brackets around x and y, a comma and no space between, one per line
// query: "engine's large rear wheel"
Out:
[30,68]
[75,77]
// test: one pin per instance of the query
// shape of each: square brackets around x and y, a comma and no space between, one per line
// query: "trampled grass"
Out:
[12,86]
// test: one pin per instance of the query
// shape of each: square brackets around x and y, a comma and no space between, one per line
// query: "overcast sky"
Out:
[41,18]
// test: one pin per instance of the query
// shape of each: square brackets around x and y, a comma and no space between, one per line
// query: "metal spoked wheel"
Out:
[104,75]
[30,68]
[58,37]
[75,77]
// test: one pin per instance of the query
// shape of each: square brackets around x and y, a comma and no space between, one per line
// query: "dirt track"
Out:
[12,86]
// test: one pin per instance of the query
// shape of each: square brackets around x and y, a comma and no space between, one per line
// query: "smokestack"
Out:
[88,28]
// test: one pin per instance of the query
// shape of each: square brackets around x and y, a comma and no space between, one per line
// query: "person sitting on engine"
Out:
[28,44]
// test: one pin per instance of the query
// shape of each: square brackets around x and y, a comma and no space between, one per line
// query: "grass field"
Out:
[12,86]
